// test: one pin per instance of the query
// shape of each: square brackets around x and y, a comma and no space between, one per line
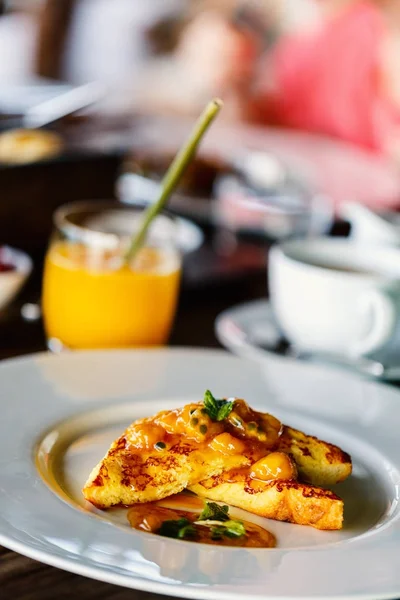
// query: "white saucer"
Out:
[250,331]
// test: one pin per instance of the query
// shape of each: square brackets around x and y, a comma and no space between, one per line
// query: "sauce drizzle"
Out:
[150,516]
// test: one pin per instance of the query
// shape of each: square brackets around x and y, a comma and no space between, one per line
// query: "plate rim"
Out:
[244,347]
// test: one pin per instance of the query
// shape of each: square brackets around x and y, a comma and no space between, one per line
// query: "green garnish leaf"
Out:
[217,410]
[217,532]
[189,531]
[213,516]
[234,529]
[230,529]
[211,405]
[214,512]
[178,528]
[224,410]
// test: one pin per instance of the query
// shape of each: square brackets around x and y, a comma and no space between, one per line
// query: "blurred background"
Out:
[327,66]
[96,97]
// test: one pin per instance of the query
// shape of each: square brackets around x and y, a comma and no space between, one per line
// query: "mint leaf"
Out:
[178,529]
[234,529]
[217,532]
[230,529]
[189,531]
[214,512]
[217,410]
[224,410]
[211,405]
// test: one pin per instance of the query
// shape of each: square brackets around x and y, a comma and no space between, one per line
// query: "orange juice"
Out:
[92,300]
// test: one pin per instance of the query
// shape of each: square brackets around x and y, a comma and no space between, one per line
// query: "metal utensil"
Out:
[65,104]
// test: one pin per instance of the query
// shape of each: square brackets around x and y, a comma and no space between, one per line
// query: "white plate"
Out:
[250,330]
[59,413]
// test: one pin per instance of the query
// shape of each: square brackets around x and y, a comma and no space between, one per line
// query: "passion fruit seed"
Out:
[203,429]
[160,446]
[194,421]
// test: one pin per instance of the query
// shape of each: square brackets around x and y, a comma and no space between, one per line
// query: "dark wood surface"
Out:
[25,579]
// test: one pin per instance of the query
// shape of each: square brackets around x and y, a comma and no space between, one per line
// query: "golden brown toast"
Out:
[318,462]
[290,501]
[162,455]
[127,478]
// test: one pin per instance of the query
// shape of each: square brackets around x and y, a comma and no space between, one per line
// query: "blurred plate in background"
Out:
[251,331]
[338,170]
[313,176]
[41,101]
[243,189]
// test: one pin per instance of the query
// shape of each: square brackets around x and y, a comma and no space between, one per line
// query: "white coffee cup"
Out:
[330,295]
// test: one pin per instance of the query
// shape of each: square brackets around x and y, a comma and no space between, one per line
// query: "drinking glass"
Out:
[92,297]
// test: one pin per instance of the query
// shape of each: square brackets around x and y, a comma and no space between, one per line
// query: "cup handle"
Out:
[383,312]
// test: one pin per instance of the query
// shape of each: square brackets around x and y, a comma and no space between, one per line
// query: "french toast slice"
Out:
[290,501]
[162,455]
[124,477]
[318,463]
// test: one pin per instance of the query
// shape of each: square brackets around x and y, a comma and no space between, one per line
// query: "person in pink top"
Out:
[339,77]
[342,78]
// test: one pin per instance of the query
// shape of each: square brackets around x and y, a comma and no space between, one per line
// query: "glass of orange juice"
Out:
[91,297]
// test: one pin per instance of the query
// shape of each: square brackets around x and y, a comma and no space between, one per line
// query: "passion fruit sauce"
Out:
[150,517]
[244,432]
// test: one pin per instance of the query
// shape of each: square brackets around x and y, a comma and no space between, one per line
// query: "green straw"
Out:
[174,174]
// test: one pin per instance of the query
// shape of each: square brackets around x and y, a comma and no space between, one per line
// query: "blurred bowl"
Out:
[266,197]
[15,268]
[246,191]
[340,171]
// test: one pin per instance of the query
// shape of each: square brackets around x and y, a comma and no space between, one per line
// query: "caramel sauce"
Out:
[276,465]
[232,476]
[154,447]
[244,432]
[253,482]
[183,501]
[149,517]
[226,443]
